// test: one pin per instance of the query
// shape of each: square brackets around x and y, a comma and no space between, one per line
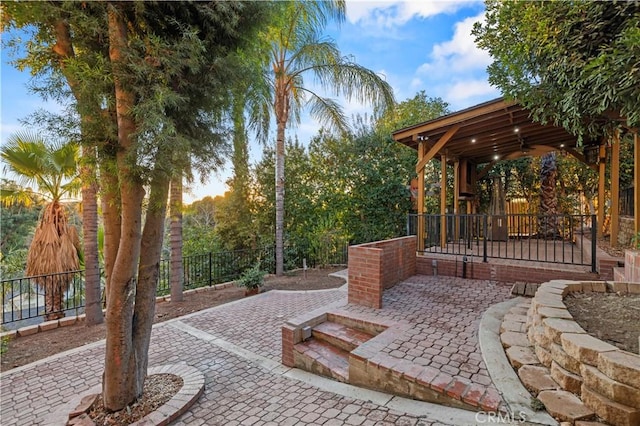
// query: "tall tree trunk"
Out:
[280,199]
[121,383]
[93,306]
[548,219]
[148,272]
[63,48]
[177,272]
[282,115]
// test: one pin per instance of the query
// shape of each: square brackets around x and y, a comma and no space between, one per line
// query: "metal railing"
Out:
[23,299]
[523,237]
[626,202]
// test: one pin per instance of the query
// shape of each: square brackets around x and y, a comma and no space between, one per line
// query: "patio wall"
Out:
[374,267]
[495,271]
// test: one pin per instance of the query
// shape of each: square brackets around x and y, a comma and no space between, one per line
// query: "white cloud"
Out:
[461,91]
[458,55]
[386,14]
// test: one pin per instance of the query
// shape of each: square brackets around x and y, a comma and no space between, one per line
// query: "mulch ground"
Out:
[27,349]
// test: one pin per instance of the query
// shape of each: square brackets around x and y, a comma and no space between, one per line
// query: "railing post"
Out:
[594,237]
[408,224]
[485,226]
[210,268]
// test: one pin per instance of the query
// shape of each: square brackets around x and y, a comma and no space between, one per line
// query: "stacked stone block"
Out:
[605,378]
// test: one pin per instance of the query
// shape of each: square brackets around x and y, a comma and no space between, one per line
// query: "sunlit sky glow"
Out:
[415,45]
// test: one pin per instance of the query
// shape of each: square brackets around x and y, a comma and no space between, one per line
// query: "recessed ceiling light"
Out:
[561,145]
[516,130]
[495,157]
[473,140]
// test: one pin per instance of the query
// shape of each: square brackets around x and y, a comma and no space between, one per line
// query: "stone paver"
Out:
[444,314]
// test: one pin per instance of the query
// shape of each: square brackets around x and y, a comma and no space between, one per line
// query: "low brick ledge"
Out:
[71,320]
[192,388]
[604,377]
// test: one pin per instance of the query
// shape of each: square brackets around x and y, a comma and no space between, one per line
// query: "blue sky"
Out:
[416,45]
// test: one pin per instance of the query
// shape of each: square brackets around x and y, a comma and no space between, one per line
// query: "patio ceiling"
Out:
[491,131]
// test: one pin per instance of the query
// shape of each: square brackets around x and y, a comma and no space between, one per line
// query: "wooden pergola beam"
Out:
[421,227]
[436,147]
[636,184]
[601,181]
[443,201]
[615,189]
[454,118]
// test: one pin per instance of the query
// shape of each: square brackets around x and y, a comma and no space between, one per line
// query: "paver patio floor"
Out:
[241,389]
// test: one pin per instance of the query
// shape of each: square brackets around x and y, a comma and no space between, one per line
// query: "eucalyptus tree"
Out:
[54,249]
[297,50]
[166,66]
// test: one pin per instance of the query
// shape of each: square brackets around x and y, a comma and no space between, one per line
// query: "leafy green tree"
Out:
[161,70]
[54,249]
[297,50]
[573,64]
[199,224]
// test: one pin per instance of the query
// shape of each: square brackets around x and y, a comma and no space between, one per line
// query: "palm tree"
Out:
[548,220]
[298,49]
[55,245]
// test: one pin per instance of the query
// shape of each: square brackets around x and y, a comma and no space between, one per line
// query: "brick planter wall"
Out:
[374,267]
[478,270]
[632,266]
[606,378]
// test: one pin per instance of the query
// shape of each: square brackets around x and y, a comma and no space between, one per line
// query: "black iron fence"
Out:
[524,237]
[23,299]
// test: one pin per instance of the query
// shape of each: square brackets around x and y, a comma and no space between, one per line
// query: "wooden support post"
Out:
[601,176]
[615,189]
[456,197]
[421,227]
[443,201]
[636,184]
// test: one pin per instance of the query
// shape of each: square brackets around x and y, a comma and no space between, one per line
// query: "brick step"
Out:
[320,357]
[340,335]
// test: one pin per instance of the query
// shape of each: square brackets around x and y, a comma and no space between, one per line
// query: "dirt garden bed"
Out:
[610,317]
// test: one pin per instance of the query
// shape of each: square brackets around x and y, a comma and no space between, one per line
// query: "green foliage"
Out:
[252,278]
[51,167]
[18,221]
[12,263]
[635,241]
[573,64]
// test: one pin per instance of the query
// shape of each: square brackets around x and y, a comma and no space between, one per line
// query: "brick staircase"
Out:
[327,352]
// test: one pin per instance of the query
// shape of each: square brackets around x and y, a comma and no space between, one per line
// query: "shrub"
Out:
[252,278]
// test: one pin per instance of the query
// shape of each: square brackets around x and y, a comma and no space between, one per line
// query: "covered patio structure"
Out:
[484,135]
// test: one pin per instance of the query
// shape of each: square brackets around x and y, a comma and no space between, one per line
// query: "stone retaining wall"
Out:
[606,378]
[374,267]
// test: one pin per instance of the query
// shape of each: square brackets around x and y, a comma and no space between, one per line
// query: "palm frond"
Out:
[50,167]
[328,112]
